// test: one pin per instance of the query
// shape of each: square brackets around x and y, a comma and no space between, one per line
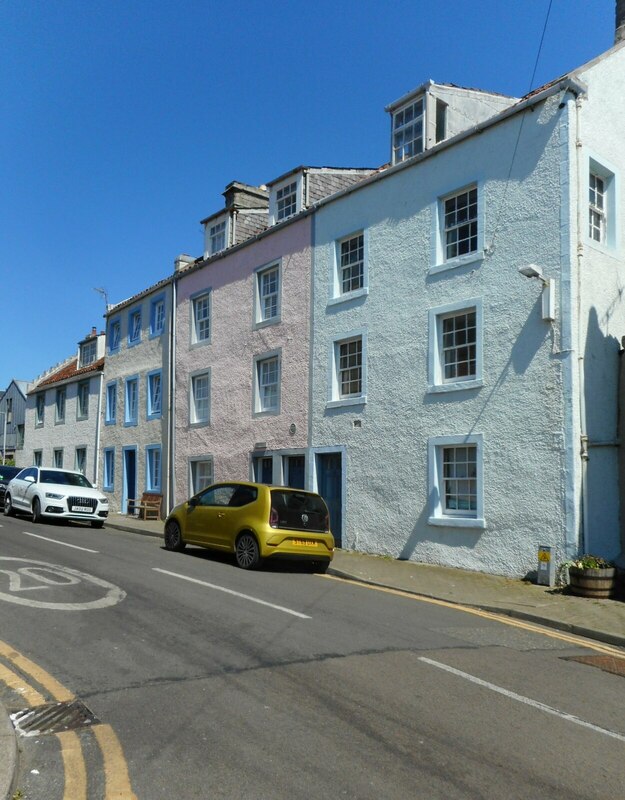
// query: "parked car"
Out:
[59,493]
[6,473]
[255,522]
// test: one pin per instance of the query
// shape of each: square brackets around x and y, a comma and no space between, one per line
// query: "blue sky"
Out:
[122,121]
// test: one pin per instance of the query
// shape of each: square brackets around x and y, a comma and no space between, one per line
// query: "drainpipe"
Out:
[583,535]
[171,402]
[96,469]
[620,561]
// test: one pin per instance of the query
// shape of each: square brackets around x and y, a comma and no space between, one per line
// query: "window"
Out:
[263,469]
[132,401]
[60,406]
[57,458]
[37,457]
[82,400]
[460,224]
[108,478]
[153,468]
[347,383]
[286,201]
[456,481]
[408,131]
[349,278]
[216,237]
[110,415]
[88,352]
[199,412]
[80,460]
[200,473]
[8,410]
[154,395]
[40,410]
[602,199]
[201,323]
[455,346]
[157,316]
[267,384]
[294,468]
[114,337]
[134,327]
[268,294]
[20,436]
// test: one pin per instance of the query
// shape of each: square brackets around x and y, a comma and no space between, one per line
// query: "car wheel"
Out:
[247,553]
[36,510]
[96,524]
[173,537]
[8,506]
[320,567]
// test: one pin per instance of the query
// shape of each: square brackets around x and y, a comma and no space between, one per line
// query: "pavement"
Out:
[601,620]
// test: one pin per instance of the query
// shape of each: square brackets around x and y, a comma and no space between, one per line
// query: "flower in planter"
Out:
[587,561]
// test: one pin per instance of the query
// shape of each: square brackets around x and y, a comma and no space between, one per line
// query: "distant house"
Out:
[62,412]
[12,415]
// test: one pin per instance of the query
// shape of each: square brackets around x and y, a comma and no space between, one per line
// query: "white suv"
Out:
[58,493]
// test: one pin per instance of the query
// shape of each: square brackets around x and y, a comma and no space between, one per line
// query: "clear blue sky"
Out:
[122,121]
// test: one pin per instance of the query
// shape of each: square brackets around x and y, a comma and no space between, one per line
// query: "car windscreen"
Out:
[67,478]
[299,511]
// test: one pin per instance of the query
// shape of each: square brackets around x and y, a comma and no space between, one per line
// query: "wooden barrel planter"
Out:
[599,583]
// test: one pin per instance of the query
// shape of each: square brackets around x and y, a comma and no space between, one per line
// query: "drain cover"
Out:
[607,663]
[53,718]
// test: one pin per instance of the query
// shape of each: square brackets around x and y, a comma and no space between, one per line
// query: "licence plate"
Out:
[304,543]
[84,509]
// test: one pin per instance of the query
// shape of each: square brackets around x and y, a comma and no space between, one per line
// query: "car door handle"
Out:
[221,514]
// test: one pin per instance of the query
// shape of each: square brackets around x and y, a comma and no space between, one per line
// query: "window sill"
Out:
[200,343]
[454,263]
[361,400]
[457,522]
[131,424]
[134,344]
[271,412]
[456,386]
[264,323]
[345,298]
[203,423]
[156,334]
[110,422]
[602,247]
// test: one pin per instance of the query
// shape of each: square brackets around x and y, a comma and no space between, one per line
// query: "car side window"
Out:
[243,495]
[28,473]
[216,496]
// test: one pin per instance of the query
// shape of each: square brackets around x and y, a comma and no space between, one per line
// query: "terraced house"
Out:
[61,427]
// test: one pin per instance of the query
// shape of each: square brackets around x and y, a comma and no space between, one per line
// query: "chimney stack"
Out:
[619,35]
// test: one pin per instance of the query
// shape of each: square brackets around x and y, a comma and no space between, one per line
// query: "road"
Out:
[206,681]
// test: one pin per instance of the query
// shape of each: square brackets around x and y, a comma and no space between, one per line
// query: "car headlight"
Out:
[104,501]
[54,496]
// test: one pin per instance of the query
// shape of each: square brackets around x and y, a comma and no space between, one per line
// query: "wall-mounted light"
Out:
[549,289]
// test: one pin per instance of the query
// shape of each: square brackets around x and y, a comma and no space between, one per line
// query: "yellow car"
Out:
[255,522]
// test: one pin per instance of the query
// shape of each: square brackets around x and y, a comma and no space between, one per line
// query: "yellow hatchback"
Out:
[255,522]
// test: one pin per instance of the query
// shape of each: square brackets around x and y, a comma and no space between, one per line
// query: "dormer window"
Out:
[88,353]
[286,201]
[408,130]
[217,237]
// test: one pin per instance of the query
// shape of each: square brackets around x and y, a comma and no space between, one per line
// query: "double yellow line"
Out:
[117,780]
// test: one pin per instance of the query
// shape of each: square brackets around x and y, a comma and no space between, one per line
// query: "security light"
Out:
[549,289]
[532,271]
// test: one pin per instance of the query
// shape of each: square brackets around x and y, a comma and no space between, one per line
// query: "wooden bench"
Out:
[149,507]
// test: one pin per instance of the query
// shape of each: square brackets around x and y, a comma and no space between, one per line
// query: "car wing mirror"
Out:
[29,479]
[193,501]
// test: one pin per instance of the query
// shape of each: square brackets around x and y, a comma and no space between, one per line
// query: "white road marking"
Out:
[232,592]
[56,541]
[521,699]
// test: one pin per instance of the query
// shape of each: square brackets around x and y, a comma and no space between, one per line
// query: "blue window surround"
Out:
[108,418]
[129,421]
[108,473]
[131,317]
[109,338]
[150,451]
[151,414]
[154,332]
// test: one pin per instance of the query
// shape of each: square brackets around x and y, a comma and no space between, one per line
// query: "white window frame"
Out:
[153,410]
[260,409]
[195,420]
[110,411]
[153,468]
[212,236]
[108,469]
[334,370]
[436,372]
[158,314]
[60,408]
[131,404]
[400,126]
[40,410]
[260,320]
[203,299]
[274,211]
[115,335]
[438,515]
[57,458]
[135,325]
[80,449]
[439,260]
[195,463]
[88,352]
[37,458]
[337,295]
[610,213]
